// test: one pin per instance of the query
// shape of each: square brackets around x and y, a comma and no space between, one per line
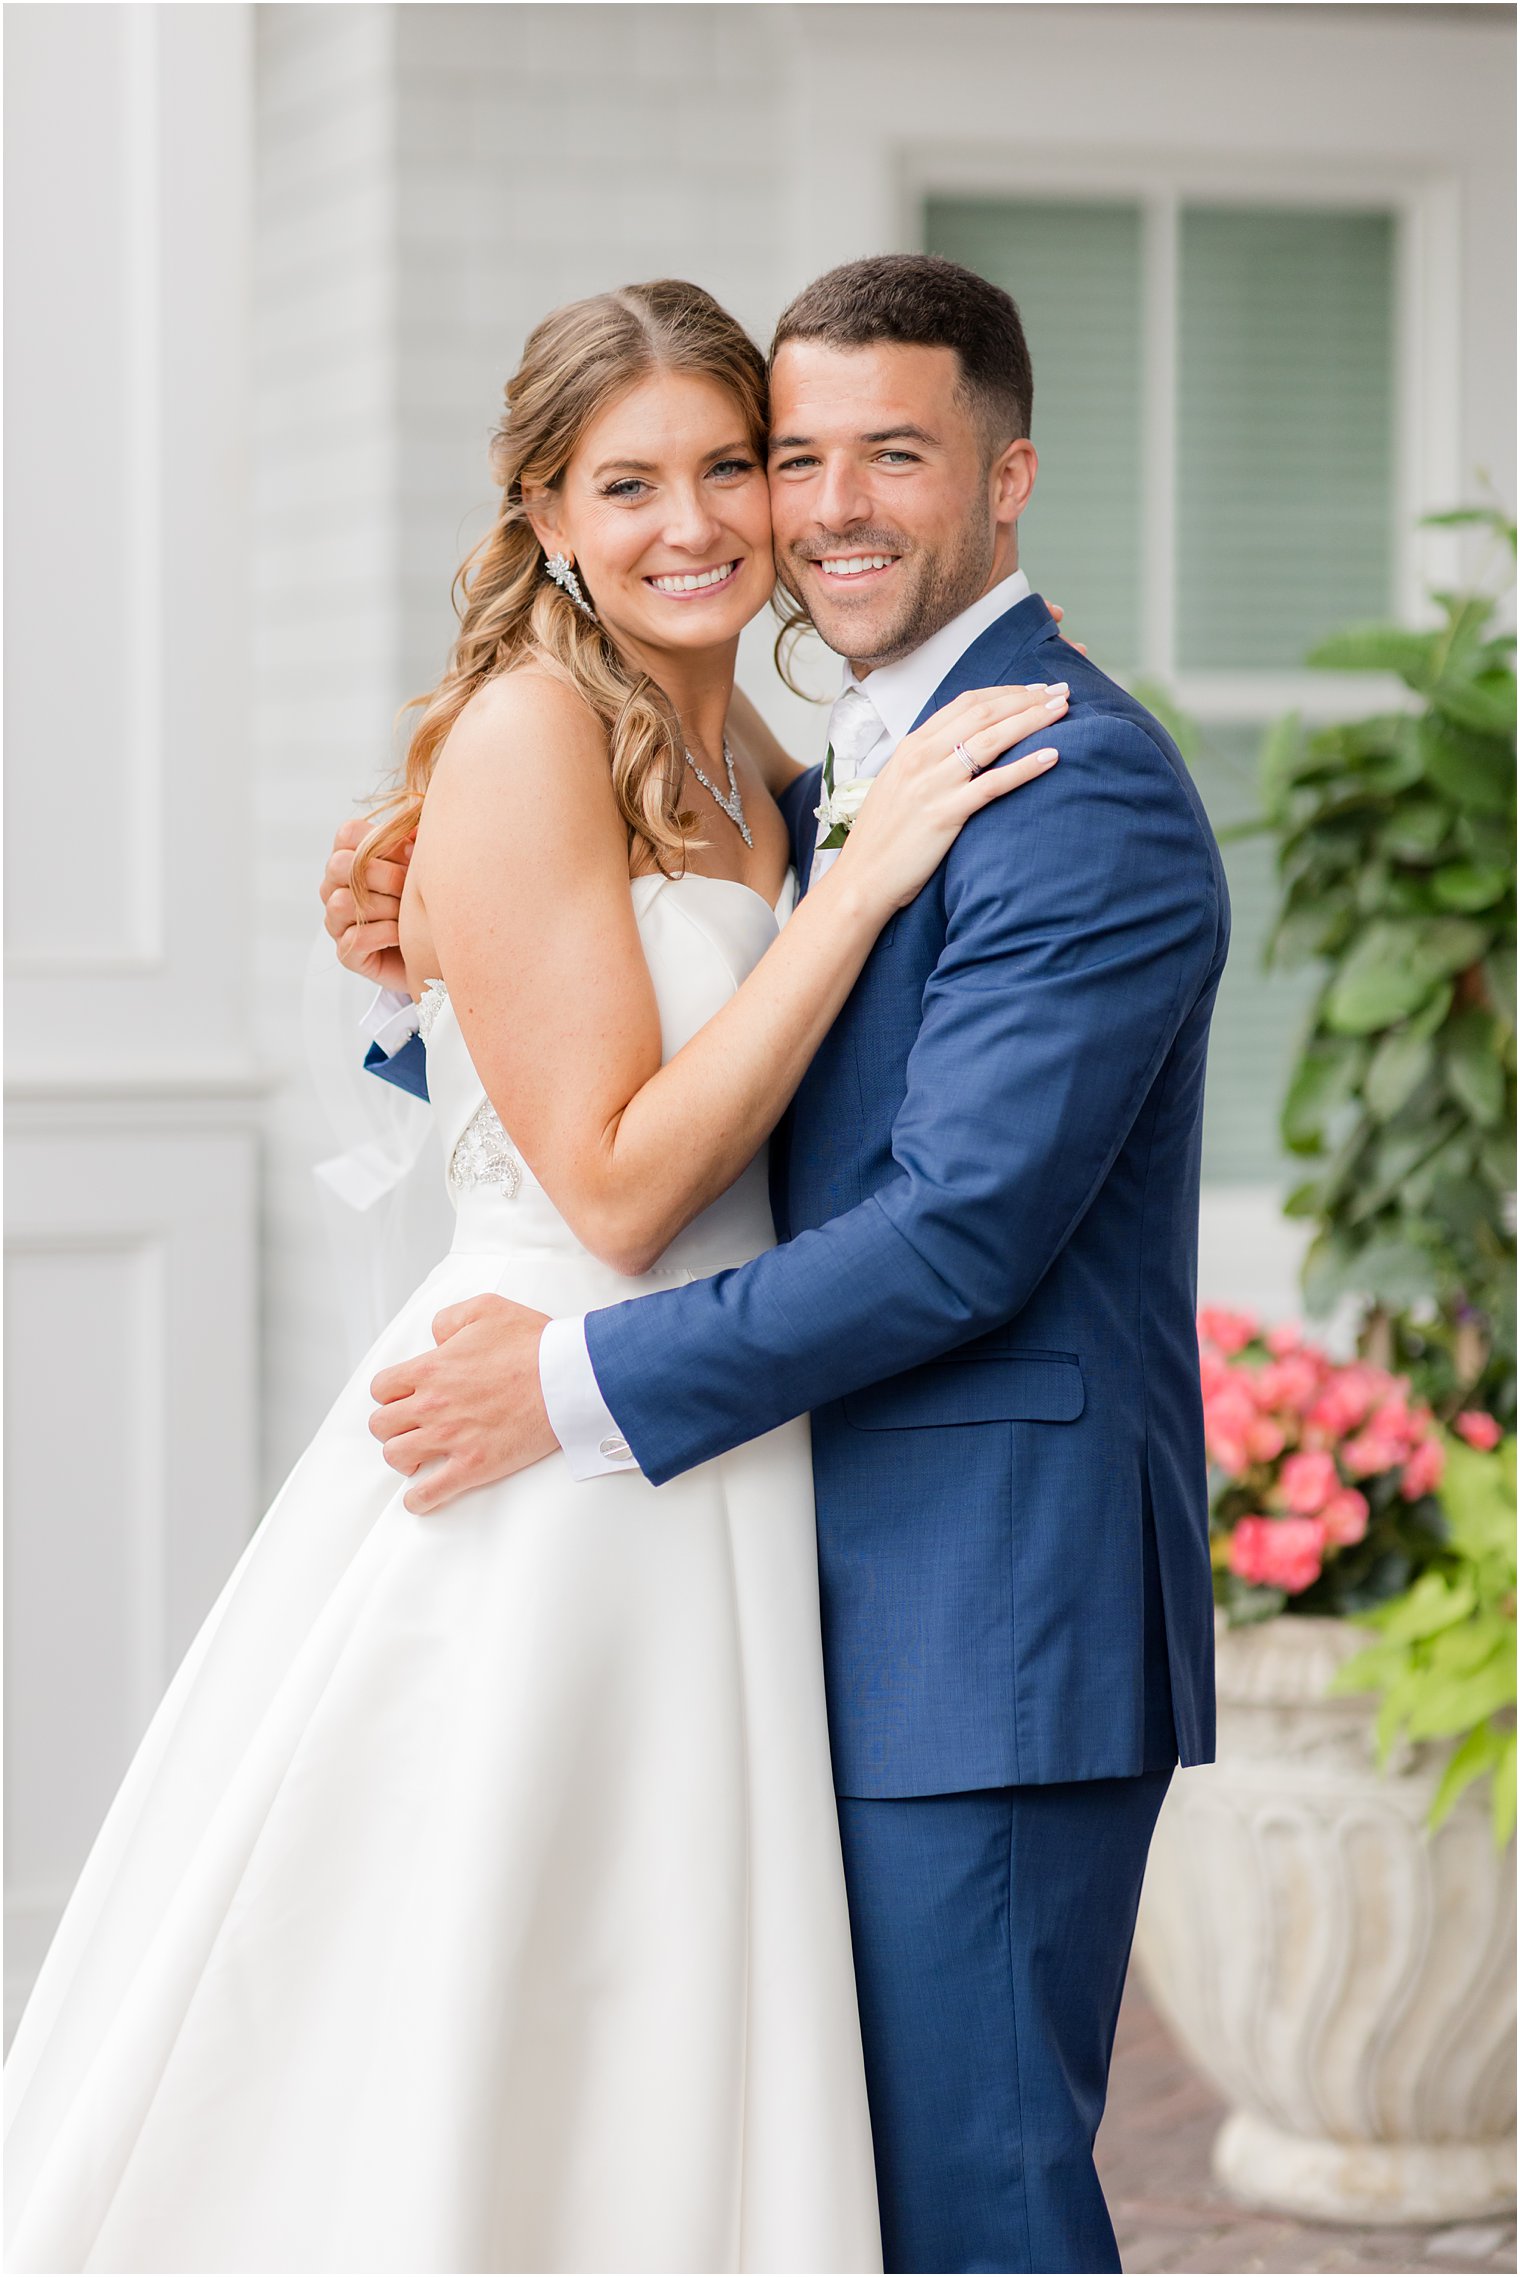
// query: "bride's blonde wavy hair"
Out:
[577,362]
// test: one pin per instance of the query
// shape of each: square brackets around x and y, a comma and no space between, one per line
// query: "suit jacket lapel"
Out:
[1029,624]
[986,662]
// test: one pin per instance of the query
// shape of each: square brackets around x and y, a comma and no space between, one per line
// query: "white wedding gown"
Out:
[474,1900]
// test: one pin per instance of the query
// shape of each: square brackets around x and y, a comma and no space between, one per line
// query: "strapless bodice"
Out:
[701,938]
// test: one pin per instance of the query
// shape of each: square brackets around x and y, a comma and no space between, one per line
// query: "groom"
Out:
[986,1193]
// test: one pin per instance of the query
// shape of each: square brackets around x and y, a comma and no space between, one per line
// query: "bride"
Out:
[474,1900]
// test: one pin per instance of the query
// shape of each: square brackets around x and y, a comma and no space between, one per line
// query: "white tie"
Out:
[854,729]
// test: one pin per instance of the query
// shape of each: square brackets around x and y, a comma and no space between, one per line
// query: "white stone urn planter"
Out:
[1345,1979]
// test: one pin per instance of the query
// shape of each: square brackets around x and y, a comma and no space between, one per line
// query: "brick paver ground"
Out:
[1153,2155]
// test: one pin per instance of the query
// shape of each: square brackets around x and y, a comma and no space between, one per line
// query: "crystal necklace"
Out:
[732,804]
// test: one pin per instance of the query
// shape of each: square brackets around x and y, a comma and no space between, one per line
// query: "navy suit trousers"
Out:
[991,1934]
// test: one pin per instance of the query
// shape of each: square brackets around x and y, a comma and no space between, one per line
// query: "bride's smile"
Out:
[680,583]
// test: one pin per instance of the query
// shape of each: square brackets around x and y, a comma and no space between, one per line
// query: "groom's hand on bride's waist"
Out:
[471,1411]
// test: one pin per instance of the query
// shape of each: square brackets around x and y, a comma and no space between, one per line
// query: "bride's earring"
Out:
[562,570]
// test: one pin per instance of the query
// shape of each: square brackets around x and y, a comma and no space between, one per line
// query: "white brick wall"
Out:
[326,636]
[547,152]
[431,179]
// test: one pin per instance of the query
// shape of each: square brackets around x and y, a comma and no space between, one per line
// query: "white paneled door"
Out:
[131,1197]
[130,1353]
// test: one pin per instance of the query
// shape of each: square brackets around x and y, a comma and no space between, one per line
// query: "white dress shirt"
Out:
[869,719]
[390,1020]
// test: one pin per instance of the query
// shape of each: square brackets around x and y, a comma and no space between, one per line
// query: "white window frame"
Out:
[1428,471]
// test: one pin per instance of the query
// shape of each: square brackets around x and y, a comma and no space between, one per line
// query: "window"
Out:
[1215,415]
[1284,444]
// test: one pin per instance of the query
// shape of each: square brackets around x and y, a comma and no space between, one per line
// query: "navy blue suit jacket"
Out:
[987,1197]
[986,1193]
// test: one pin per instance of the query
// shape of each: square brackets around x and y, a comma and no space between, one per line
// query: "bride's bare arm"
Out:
[521,886]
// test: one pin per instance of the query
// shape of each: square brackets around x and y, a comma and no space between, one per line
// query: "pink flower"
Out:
[1370,1453]
[1265,1440]
[1227,1419]
[1328,1420]
[1422,1472]
[1278,1553]
[1281,1341]
[1308,1481]
[1479,1430]
[1395,1419]
[1290,1384]
[1229,1332]
[1344,1518]
[1213,1372]
[1345,1400]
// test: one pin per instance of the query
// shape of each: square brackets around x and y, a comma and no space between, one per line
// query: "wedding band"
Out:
[960,752]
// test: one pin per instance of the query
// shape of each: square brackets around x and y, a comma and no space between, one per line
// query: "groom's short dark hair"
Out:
[924,301]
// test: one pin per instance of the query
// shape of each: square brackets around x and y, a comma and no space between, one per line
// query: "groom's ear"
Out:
[1011,477]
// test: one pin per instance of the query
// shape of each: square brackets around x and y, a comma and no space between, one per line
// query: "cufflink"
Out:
[615,1450]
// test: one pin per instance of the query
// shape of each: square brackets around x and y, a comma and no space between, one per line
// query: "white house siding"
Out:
[431,181]
[326,631]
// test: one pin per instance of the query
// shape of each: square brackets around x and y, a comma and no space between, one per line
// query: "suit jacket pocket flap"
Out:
[1034,1387]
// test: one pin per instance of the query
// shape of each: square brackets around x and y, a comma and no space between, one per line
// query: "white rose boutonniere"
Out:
[842,802]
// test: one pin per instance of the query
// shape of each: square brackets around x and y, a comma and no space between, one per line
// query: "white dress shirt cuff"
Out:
[578,1415]
[390,1021]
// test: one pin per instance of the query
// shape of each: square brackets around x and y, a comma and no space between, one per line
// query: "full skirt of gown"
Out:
[474,1899]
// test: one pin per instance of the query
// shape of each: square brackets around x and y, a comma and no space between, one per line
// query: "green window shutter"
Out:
[1074,270]
[1285,431]
[1259,1016]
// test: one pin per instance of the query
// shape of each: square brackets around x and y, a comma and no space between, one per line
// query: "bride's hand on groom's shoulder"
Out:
[472,1408]
[938,777]
[371,947]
